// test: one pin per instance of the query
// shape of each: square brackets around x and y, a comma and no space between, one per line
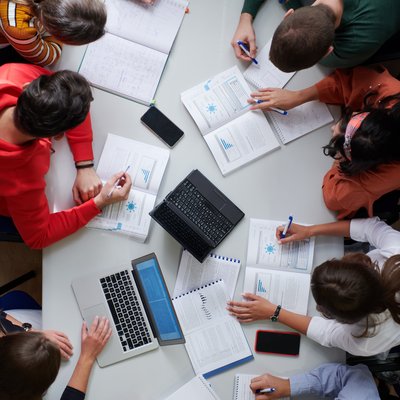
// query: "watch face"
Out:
[27,326]
[274,318]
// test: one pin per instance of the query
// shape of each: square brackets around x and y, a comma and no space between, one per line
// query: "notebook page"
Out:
[196,389]
[263,249]
[214,339]
[289,289]
[193,274]
[300,120]
[218,100]
[265,74]
[241,141]
[123,67]
[154,26]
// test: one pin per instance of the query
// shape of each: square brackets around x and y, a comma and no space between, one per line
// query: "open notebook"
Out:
[130,58]
[196,389]
[147,166]
[280,273]
[235,135]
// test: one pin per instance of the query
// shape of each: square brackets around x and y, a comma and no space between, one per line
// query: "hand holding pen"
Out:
[266,387]
[116,189]
[294,233]
[274,98]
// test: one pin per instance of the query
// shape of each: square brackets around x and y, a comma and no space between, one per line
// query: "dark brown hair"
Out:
[29,365]
[353,288]
[303,38]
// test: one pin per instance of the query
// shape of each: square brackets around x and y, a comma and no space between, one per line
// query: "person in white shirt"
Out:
[359,295]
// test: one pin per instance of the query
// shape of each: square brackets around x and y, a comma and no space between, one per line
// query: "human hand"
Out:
[274,97]
[86,186]
[62,341]
[281,385]
[255,309]
[151,2]
[295,233]
[118,193]
[245,33]
[95,338]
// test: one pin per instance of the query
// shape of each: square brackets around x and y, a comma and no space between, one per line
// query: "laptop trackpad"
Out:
[218,201]
[89,314]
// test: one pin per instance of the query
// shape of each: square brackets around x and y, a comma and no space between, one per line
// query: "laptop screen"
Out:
[157,301]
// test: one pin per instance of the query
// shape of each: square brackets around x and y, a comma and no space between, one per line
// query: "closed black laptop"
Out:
[197,215]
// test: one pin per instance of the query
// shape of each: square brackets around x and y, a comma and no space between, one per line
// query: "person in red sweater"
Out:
[365,142]
[35,105]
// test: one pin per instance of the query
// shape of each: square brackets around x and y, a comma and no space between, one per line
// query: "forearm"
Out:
[305,95]
[251,7]
[295,321]
[339,228]
[80,377]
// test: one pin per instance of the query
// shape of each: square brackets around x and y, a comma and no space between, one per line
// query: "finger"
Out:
[261,106]
[237,304]
[107,336]
[64,354]
[245,321]
[94,325]
[237,49]
[84,196]
[66,351]
[278,232]
[75,194]
[256,379]
[252,47]
[65,342]
[100,326]
[84,330]
[287,239]
[105,330]
[251,296]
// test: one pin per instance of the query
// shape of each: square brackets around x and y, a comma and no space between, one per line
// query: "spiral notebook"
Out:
[215,340]
[241,388]
[300,120]
[196,389]
[193,274]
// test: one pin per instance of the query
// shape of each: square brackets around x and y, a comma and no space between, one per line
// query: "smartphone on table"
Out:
[162,126]
[278,342]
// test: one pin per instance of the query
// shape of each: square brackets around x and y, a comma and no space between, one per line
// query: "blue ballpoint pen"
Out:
[245,49]
[278,110]
[287,226]
[267,390]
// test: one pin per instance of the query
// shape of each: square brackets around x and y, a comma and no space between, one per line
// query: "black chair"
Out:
[9,233]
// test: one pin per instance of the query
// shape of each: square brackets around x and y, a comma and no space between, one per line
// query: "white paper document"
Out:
[130,58]
[220,109]
[147,165]
[265,74]
[193,274]
[196,389]
[300,120]
[279,273]
[214,339]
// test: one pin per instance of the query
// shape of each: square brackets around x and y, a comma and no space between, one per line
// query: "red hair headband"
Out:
[351,129]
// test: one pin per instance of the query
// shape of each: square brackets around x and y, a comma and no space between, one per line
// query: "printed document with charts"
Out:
[235,135]
[215,340]
[279,273]
[147,165]
[130,58]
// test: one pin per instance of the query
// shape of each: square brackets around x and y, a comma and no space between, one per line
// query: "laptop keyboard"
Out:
[197,208]
[125,310]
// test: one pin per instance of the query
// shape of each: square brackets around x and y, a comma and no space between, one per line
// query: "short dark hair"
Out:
[303,38]
[376,141]
[29,365]
[353,288]
[72,21]
[52,104]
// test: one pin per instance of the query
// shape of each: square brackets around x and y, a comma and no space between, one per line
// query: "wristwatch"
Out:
[275,316]
[27,326]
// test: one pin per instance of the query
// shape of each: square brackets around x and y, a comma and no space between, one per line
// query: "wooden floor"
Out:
[17,259]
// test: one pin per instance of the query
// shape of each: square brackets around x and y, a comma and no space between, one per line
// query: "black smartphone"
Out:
[162,126]
[278,342]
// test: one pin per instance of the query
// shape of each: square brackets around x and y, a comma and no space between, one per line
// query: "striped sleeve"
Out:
[19,30]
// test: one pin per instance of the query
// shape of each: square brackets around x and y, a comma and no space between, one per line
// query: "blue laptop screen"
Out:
[158,301]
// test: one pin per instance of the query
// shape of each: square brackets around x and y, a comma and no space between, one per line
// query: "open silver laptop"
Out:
[125,296]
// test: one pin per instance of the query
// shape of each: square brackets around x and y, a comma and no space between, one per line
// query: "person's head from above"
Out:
[303,38]
[353,288]
[52,104]
[362,141]
[73,22]
[29,365]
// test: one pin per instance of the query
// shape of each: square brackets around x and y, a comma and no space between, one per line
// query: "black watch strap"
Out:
[27,326]
[275,316]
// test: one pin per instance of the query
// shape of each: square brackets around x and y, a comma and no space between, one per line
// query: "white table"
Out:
[287,180]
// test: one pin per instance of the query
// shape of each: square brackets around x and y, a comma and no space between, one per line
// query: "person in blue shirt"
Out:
[334,381]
